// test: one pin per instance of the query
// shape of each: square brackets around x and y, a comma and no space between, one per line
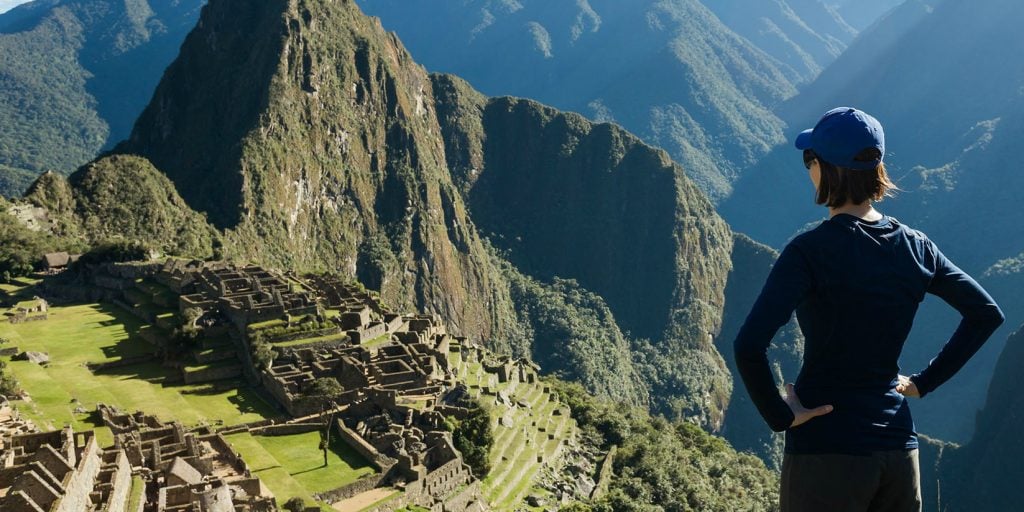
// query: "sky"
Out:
[6,5]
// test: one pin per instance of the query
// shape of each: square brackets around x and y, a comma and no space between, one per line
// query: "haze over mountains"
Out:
[74,76]
[310,138]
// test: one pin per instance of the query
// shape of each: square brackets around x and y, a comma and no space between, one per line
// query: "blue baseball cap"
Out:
[841,134]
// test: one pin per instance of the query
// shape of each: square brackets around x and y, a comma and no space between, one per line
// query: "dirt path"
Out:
[363,500]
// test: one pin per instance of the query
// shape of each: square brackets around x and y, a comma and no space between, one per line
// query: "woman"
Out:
[855,282]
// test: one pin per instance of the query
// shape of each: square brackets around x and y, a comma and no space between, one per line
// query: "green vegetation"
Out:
[125,197]
[47,118]
[138,492]
[118,251]
[324,387]
[662,465]
[576,337]
[277,327]
[75,75]
[474,439]
[524,437]
[9,386]
[293,465]
[262,354]
[295,504]
[22,249]
[98,333]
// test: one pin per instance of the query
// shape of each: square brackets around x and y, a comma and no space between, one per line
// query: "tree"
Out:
[473,438]
[8,384]
[324,387]
[295,504]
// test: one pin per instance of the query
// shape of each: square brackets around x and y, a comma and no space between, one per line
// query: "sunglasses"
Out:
[809,158]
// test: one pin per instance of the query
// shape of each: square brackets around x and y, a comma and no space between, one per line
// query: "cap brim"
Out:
[803,141]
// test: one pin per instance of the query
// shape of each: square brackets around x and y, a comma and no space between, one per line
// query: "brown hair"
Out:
[839,185]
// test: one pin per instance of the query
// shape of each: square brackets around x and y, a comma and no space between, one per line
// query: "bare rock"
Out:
[40,358]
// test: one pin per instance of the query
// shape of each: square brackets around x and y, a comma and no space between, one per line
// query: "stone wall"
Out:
[287,429]
[374,330]
[446,478]
[470,498]
[604,477]
[77,489]
[122,485]
[347,491]
[360,445]
[293,336]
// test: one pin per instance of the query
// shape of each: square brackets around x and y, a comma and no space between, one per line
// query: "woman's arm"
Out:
[788,283]
[981,317]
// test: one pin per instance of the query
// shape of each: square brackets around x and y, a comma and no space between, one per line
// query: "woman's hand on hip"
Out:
[802,414]
[906,387]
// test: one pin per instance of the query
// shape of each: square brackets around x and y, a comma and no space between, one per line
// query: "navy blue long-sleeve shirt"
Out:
[856,286]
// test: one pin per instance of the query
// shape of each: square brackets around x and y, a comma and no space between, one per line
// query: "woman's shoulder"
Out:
[910,232]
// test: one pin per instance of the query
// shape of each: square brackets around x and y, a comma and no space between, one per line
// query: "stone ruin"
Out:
[397,390]
[61,471]
[411,363]
[67,471]
[244,295]
[185,470]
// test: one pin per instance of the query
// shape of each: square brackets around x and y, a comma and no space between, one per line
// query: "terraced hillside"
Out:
[531,429]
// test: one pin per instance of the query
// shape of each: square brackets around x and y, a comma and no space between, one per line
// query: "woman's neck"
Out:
[863,210]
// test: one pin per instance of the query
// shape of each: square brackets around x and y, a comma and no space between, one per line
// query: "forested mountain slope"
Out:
[75,74]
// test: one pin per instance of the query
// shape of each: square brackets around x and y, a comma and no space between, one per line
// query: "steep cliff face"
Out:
[564,197]
[985,474]
[309,134]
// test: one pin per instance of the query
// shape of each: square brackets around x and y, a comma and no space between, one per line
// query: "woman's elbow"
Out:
[990,316]
[996,315]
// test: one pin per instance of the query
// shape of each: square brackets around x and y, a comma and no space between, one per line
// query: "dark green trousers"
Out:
[887,481]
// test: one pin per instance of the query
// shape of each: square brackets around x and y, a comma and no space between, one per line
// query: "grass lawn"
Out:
[306,341]
[75,335]
[294,466]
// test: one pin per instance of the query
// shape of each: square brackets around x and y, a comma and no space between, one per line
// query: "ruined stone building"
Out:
[67,471]
[62,471]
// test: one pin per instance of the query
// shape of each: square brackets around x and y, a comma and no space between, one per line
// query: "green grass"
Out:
[136,496]
[293,465]
[75,335]
[277,322]
[305,341]
[379,340]
[27,304]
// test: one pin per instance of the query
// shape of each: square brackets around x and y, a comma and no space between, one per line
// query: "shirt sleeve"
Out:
[788,284]
[981,317]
